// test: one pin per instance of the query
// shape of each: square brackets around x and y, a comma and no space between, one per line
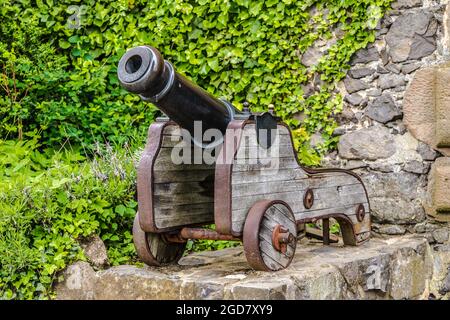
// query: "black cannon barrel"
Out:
[142,70]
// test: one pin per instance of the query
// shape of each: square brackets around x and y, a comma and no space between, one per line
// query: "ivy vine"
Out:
[238,49]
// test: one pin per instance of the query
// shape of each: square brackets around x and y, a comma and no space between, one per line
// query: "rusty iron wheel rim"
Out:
[308,199]
[143,250]
[360,213]
[251,234]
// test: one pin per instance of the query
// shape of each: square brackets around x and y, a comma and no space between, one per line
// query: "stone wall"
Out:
[375,138]
[398,268]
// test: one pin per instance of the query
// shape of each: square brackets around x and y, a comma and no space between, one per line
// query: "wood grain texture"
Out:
[152,249]
[334,192]
[183,193]
[275,215]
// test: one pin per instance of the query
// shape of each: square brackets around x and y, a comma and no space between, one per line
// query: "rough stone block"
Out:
[426,107]
[437,202]
[383,109]
[78,284]
[95,251]
[443,107]
[368,143]
[256,290]
[394,197]
[411,36]
[394,268]
[406,4]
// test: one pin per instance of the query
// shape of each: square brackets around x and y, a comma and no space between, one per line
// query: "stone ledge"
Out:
[394,268]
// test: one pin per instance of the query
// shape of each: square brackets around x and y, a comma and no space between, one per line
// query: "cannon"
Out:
[207,163]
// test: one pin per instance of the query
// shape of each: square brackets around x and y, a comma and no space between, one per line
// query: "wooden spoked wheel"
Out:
[153,249]
[270,235]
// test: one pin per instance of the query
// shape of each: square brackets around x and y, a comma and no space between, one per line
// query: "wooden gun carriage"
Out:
[251,185]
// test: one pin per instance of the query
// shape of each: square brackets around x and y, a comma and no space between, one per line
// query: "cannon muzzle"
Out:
[143,70]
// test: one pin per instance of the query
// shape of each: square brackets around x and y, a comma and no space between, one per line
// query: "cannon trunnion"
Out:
[248,183]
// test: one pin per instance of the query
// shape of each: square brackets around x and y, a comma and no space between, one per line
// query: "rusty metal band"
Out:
[141,244]
[145,176]
[206,234]
[222,181]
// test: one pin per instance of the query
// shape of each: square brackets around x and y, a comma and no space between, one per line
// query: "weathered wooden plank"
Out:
[269,163]
[184,187]
[348,208]
[252,152]
[186,209]
[186,176]
[162,251]
[168,200]
[239,217]
[175,141]
[180,220]
[256,176]
[188,152]
[165,166]
[295,200]
[300,211]
[183,193]
[250,131]
[172,159]
[286,174]
[172,130]
[268,223]
[299,186]
[268,251]
[283,210]
[274,215]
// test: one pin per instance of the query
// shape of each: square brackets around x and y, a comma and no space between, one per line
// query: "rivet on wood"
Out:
[360,213]
[308,199]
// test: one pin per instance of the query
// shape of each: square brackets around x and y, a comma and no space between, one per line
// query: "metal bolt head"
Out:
[360,213]
[281,237]
[246,107]
[308,199]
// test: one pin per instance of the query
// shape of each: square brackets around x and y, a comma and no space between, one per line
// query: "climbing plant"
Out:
[242,50]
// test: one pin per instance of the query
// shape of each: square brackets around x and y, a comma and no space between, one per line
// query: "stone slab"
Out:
[442,108]
[393,268]
[437,203]
[425,107]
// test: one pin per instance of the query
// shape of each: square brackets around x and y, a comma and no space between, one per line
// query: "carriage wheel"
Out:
[153,249]
[270,235]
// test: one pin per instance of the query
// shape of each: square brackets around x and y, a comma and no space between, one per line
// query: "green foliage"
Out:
[51,93]
[48,202]
[239,49]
